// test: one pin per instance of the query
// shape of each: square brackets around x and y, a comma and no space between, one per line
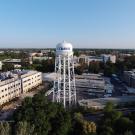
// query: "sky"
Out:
[84,23]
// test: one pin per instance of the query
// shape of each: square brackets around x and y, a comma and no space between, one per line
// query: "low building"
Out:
[109,57]
[41,58]
[31,80]
[129,78]
[102,58]
[12,61]
[1,65]
[15,62]
[13,83]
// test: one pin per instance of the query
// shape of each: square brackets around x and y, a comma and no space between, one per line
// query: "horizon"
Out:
[86,24]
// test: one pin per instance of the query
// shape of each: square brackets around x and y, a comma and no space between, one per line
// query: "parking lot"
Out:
[119,87]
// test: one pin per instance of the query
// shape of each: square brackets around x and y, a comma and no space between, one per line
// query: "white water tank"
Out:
[64,49]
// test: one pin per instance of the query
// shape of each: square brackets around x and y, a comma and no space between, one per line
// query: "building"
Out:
[41,58]
[15,62]
[30,80]
[1,65]
[129,78]
[13,83]
[103,58]
[111,58]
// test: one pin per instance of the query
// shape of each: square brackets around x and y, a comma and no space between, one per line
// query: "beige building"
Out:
[31,80]
[1,65]
[13,83]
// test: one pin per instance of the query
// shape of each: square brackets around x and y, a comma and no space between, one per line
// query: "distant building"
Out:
[15,62]
[111,58]
[1,65]
[1,52]
[41,58]
[45,51]
[12,61]
[129,78]
[103,58]
[13,83]
[36,54]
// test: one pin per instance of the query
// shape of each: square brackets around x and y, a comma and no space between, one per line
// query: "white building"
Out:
[13,83]
[103,58]
[111,58]
[31,80]
[41,58]
[1,65]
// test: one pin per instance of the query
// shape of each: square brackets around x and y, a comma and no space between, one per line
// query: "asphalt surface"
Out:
[98,115]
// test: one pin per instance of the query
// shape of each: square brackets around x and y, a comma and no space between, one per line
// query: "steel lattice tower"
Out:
[64,89]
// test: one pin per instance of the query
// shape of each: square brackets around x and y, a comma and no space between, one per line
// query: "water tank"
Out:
[64,49]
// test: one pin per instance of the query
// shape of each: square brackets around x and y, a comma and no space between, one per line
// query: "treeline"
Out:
[107,68]
[44,65]
[115,122]
[38,116]
[12,55]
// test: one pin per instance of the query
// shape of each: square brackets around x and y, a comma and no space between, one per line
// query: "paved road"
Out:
[97,116]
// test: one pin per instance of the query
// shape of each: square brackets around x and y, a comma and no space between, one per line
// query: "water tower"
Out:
[64,89]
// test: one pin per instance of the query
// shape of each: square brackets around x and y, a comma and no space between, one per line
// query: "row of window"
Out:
[9,93]
[32,78]
[32,83]
[13,86]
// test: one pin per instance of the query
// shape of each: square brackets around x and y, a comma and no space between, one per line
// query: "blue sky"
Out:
[85,23]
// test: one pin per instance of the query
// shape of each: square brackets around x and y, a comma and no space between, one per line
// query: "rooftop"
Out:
[7,77]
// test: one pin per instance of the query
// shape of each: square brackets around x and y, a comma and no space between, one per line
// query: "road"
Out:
[98,115]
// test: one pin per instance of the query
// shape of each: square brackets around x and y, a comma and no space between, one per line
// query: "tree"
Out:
[7,67]
[128,133]
[94,67]
[46,117]
[124,124]
[24,128]
[82,126]
[5,128]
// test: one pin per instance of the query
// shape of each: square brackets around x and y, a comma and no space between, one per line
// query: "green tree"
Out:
[123,124]
[46,117]
[5,128]
[94,67]
[7,67]
[128,133]
[82,126]
[24,128]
